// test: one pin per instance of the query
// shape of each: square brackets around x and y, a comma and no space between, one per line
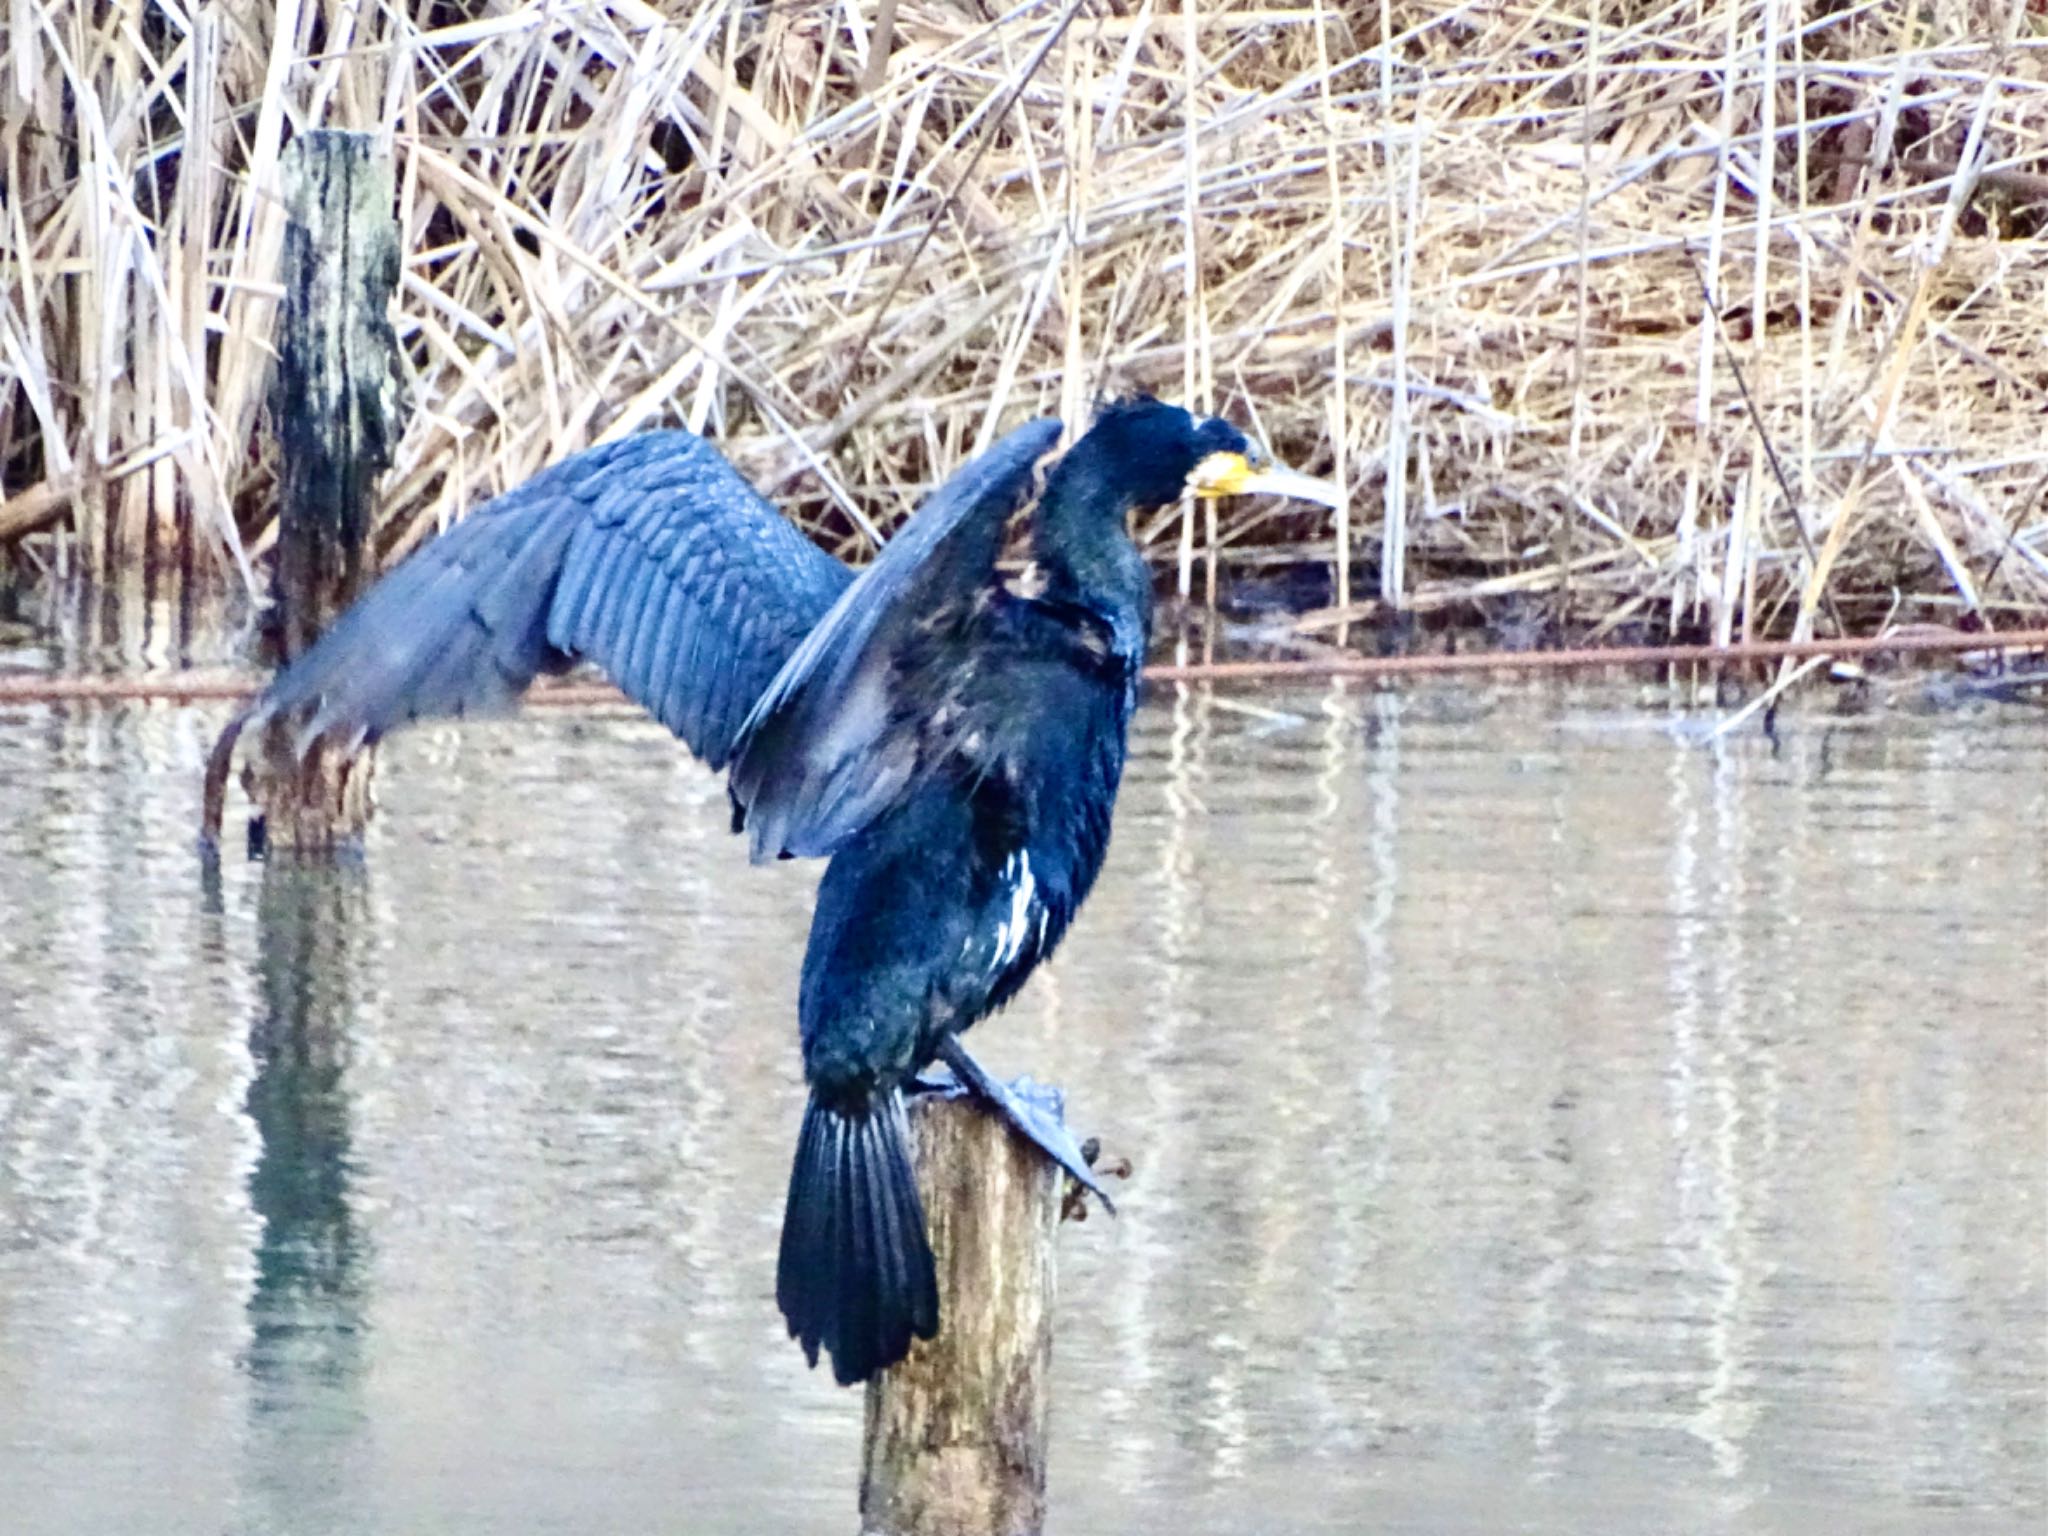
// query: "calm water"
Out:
[1542,1121]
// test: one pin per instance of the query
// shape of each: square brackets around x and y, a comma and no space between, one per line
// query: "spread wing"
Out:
[827,745]
[649,556]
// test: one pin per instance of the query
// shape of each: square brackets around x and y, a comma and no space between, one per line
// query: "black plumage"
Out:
[951,741]
[648,556]
[955,745]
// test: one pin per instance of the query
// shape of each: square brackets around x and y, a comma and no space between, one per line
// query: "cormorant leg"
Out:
[1039,1125]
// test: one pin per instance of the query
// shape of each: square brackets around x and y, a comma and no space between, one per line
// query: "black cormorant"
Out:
[952,741]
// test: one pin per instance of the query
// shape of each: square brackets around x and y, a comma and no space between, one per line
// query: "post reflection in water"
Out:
[308,1305]
[1541,1120]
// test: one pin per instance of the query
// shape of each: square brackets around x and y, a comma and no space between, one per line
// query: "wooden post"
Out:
[334,408]
[956,1433]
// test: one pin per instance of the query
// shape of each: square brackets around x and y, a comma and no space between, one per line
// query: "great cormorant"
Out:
[952,741]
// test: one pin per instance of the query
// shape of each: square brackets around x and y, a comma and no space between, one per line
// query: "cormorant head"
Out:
[1142,453]
[1161,453]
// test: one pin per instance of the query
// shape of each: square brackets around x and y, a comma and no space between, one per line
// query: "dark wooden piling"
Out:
[956,1433]
[334,407]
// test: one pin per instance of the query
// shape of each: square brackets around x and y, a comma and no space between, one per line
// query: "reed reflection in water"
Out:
[1541,1121]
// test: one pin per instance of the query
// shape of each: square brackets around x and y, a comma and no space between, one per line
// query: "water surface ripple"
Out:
[1542,1122]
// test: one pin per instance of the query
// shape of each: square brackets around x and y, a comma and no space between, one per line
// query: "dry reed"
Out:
[1497,263]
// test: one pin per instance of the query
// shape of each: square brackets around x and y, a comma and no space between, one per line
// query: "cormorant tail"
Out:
[856,1274]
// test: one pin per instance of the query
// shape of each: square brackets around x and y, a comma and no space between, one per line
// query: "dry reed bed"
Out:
[1454,252]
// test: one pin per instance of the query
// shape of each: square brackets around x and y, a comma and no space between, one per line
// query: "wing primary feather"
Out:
[665,540]
[608,589]
[686,668]
[629,638]
[662,695]
[720,684]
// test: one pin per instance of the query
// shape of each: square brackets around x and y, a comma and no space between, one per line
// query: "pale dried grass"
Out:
[1450,250]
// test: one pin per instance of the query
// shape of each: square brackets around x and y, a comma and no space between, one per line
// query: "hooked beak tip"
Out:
[1290,482]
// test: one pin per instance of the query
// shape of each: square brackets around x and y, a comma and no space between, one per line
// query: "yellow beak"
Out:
[1237,474]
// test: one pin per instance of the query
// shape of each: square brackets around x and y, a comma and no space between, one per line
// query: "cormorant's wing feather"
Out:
[649,556]
[691,592]
[823,750]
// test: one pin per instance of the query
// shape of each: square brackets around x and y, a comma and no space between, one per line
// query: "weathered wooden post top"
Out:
[956,1434]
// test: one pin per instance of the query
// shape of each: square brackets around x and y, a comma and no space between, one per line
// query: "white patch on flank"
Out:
[1010,933]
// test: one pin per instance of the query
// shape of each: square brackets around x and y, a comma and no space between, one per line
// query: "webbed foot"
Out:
[1033,1111]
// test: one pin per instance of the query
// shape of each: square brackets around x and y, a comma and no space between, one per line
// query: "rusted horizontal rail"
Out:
[201,687]
[1934,642]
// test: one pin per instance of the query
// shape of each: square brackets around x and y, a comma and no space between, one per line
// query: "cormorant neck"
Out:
[1081,545]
